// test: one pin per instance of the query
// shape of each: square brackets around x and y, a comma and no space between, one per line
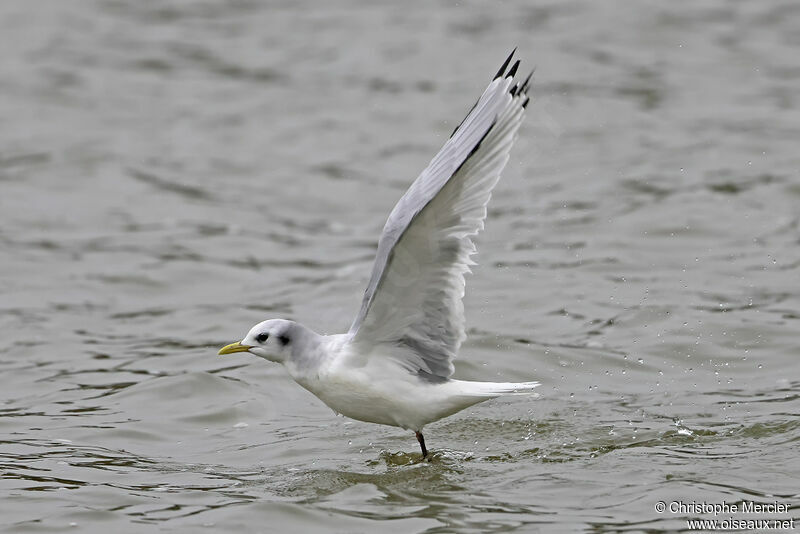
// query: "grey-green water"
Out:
[174,172]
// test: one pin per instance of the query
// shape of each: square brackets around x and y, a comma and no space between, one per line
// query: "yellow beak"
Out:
[233,347]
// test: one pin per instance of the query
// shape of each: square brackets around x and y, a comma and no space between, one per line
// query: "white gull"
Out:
[394,365]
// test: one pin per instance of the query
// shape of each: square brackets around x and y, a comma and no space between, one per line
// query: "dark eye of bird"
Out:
[262,337]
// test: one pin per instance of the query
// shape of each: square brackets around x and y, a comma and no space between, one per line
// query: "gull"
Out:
[394,366]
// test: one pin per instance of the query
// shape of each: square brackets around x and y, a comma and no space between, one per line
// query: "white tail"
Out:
[496,389]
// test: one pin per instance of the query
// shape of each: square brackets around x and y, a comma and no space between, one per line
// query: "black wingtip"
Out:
[527,101]
[505,65]
[513,70]
[524,86]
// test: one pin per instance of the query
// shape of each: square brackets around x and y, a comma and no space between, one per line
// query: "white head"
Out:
[271,340]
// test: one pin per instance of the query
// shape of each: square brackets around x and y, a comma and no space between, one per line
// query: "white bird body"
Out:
[383,392]
[393,367]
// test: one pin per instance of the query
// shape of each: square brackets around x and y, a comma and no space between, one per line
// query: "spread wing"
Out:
[412,305]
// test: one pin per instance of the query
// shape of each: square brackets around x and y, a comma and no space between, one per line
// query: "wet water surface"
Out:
[173,172]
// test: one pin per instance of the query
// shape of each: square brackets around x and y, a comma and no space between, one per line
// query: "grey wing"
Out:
[412,305]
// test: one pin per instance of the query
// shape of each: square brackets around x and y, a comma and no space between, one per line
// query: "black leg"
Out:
[421,440]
